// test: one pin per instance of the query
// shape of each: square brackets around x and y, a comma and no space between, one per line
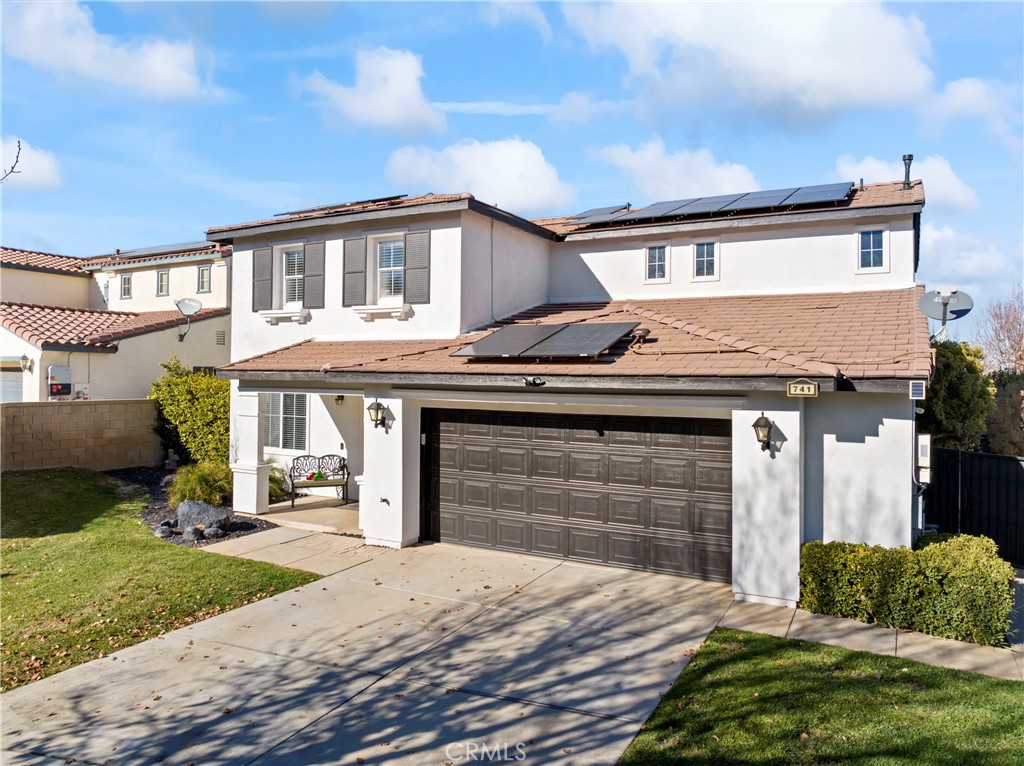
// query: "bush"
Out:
[193,412]
[954,588]
[208,482]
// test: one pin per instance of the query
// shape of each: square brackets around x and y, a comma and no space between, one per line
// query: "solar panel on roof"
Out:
[710,204]
[598,211]
[753,200]
[823,193]
[581,340]
[509,341]
[657,210]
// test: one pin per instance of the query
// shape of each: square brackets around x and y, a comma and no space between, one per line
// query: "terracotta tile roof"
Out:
[872,195]
[348,208]
[857,335]
[212,249]
[37,261]
[45,326]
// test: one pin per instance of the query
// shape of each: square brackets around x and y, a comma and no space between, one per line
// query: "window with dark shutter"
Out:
[263,279]
[354,287]
[417,267]
[313,276]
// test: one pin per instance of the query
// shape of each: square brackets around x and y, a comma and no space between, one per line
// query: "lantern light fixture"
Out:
[377,414]
[26,363]
[763,431]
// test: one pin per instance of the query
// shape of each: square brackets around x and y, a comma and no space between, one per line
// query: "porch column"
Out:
[389,485]
[767,491]
[251,474]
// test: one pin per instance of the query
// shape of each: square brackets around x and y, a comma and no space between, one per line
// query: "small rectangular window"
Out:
[704,260]
[205,281]
[284,421]
[657,264]
[390,268]
[294,269]
[126,285]
[872,255]
[163,282]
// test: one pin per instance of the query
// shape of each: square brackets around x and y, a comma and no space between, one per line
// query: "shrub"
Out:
[278,483]
[954,588]
[193,411]
[208,482]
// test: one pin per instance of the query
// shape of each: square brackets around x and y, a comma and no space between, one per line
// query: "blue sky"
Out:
[146,123]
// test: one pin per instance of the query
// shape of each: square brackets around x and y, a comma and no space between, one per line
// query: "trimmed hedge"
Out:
[193,413]
[956,588]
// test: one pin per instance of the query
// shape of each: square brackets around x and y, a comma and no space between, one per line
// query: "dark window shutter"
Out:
[263,279]
[313,276]
[354,288]
[417,267]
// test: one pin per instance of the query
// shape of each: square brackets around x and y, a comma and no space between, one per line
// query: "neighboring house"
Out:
[56,322]
[521,412]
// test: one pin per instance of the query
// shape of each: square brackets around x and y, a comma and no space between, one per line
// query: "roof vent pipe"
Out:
[907,159]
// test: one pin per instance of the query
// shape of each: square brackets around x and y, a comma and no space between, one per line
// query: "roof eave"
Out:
[45,270]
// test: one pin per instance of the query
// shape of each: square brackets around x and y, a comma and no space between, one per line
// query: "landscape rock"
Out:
[192,533]
[194,513]
[163,532]
[213,533]
[172,523]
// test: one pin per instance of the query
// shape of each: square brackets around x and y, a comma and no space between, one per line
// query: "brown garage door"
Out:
[642,493]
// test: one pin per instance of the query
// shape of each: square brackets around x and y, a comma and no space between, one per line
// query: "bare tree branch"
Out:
[11,170]
[1001,332]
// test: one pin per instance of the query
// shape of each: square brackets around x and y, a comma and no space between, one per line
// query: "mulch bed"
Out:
[155,481]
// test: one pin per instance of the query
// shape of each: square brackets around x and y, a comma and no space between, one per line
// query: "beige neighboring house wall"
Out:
[45,288]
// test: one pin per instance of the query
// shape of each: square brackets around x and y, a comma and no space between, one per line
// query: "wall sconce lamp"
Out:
[763,431]
[339,399]
[377,414]
[26,363]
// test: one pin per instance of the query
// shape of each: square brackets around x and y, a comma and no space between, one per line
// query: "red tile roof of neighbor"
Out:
[45,326]
[213,250]
[877,334]
[37,261]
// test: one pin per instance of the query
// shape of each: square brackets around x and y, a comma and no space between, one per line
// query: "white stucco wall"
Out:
[251,334]
[504,270]
[44,288]
[184,283]
[818,257]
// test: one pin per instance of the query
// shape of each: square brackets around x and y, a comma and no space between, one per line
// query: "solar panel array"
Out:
[548,341]
[724,203]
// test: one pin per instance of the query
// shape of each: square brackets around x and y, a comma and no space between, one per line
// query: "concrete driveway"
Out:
[429,655]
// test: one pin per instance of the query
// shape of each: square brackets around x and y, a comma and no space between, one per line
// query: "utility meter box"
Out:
[924,458]
[58,379]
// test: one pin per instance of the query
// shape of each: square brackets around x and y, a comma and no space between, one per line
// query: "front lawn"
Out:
[82,577]
[748,698]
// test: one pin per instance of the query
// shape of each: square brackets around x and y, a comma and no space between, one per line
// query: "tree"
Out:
[1006,423]
[960,397]
[193,412]
[1001,332]
[11,170]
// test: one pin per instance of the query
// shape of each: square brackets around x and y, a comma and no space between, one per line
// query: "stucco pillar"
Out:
[767,503]
[251,474]
[388,493]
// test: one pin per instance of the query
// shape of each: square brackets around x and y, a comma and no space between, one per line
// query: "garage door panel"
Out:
[644,493]
[548,501]
[672,473]
[588,506]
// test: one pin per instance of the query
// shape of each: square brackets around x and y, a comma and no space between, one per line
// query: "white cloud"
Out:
[36,169]
[511,173]
[976,266]
[497,108]
[60,38]
[661,176]
[985,100]
[944,189]
[386,94]
[530,13]
[791,59]
[578,108]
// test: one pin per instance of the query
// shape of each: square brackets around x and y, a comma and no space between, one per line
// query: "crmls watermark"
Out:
[483,751]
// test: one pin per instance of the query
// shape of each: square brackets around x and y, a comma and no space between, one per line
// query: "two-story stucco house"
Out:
[109,321]
[585,387]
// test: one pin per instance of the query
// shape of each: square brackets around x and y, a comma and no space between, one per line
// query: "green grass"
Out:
[748,698]
[82,577]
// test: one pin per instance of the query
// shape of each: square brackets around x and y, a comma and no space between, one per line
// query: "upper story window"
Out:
[163,282]
[204,279]
[390,270]
[871,250]
[284,421]
[293,264]
[657,264]
[126,286]
[705,261]
[287,280]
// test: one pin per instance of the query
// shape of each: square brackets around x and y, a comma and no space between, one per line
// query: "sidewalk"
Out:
[328,554]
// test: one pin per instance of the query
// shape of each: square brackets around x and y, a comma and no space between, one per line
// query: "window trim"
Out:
[717,261]
[208,268]
[125,281]
[166,273]
[885,267]
[649,280]
[280,416]
[373,241]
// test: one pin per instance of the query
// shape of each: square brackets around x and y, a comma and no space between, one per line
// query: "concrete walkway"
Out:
[412,657]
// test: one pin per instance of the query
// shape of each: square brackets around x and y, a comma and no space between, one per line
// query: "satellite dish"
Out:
[188,306]
[945,304]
